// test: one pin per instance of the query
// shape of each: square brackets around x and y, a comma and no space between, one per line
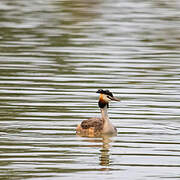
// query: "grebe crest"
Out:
[94,127]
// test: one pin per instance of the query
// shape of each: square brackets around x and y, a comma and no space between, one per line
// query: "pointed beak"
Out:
[114,98]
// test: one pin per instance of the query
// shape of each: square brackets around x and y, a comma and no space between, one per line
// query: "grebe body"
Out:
[99,126]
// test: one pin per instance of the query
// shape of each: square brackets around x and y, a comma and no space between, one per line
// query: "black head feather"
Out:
[107,92]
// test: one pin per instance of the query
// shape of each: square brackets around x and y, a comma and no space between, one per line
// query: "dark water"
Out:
[55,54]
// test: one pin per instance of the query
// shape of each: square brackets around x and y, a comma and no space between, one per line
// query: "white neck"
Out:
[107,126]
[104,114]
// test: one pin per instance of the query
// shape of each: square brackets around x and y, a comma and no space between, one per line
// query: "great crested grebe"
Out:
[99,126]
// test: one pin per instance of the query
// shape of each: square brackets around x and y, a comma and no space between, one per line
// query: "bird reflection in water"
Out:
[105,155]
[104,159]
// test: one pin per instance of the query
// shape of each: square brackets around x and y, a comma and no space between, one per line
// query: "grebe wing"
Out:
[97,123]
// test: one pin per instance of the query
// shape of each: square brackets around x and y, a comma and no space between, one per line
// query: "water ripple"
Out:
[55,55]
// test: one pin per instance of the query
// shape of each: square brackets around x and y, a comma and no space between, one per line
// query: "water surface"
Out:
[55,54]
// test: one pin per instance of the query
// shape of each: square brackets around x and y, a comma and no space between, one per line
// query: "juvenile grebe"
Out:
[98,126]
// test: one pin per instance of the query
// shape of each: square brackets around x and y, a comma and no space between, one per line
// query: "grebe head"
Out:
[105,97]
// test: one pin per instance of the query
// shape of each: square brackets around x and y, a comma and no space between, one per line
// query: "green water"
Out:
[55,54]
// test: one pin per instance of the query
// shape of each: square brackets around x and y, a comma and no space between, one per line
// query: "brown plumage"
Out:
[90,127]
[94,127]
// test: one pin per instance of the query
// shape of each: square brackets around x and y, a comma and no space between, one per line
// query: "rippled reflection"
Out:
[55,54]
[104,158]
